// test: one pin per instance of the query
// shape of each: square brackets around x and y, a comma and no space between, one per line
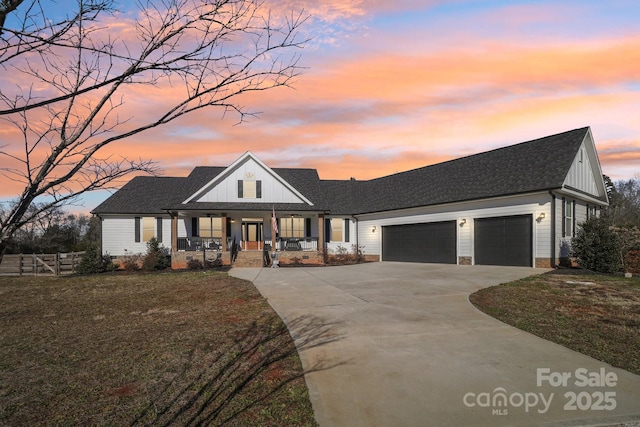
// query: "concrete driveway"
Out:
[406,348]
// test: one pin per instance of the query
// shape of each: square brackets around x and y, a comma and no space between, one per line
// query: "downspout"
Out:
[553,229]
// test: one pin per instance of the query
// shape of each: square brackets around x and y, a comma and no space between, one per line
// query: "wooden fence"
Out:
[40,264]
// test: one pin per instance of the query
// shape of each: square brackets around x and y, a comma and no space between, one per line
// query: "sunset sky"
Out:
[391,86]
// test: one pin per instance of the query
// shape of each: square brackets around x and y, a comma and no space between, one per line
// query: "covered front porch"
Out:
[223,235]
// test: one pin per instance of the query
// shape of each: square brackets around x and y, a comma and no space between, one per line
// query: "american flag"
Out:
[274,222]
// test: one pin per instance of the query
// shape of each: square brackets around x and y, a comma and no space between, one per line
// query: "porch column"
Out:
[320,232]
[224,232]
[174,232]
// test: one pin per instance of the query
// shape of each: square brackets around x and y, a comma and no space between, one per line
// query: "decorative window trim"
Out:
[136,229]
[159,229]
[346,230]
[568,217]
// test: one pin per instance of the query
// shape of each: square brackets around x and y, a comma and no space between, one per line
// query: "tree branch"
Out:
[65,83]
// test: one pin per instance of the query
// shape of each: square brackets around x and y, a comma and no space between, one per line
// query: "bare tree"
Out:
[63,84]
[624,203]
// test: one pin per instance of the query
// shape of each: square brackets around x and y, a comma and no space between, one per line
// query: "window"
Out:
[210,227]
[148,228]
[568,208]
[336,229]
[249,187]
[292,227]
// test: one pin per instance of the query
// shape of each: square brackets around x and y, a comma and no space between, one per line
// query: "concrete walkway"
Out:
[409,349]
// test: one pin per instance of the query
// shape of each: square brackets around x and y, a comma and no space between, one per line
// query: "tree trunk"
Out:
[3,247]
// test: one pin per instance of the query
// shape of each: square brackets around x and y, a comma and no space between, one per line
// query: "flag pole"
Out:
[274,232]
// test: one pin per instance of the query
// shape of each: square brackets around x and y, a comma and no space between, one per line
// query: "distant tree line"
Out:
[611,243]
[624,202]
[59,231]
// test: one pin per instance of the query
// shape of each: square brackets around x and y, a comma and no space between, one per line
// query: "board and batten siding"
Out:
[580,174]
[118,235]
[273,191]
[533,205]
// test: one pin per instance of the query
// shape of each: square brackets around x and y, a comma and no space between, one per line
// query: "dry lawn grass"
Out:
[596,315]
[146,349]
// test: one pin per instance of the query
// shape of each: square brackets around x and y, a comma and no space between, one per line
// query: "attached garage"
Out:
[433,242]
[504,241]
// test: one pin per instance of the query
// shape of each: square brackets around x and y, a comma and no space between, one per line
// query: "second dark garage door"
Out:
[428,242]
[504,240]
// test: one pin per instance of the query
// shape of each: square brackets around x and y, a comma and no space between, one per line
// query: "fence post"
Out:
[58,269]
[20,264]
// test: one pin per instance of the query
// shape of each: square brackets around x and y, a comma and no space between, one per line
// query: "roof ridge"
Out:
[483,153]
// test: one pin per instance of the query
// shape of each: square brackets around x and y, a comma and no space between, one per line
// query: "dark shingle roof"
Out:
[144,195]
[155,195]
[537,165]
[532,166]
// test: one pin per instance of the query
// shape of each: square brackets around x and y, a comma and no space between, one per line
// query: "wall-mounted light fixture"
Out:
[463,221]
[541,216]
[373,229]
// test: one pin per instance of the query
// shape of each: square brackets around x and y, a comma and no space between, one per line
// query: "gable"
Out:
[585,175]
[248,180]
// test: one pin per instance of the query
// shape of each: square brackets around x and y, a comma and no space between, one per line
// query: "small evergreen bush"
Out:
[156,257]
[597,247]
[94,262]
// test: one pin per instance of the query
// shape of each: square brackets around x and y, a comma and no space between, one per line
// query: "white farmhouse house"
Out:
[518,205]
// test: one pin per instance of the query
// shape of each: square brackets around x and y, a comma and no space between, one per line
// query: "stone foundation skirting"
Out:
[464,260]
[543,263]
[180,260]
[300,258]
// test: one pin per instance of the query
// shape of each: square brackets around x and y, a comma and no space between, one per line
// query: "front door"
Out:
[251,235]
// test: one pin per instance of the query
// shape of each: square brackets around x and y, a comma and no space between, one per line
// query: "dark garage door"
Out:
[504,240]
[429,242]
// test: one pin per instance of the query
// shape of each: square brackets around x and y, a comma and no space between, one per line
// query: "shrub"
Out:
[358,252]
[341,255]
[131,263]
[630,242]
[156,257]
[214,263]
[94,262]
[194,264]
[597,247]
[632,261]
